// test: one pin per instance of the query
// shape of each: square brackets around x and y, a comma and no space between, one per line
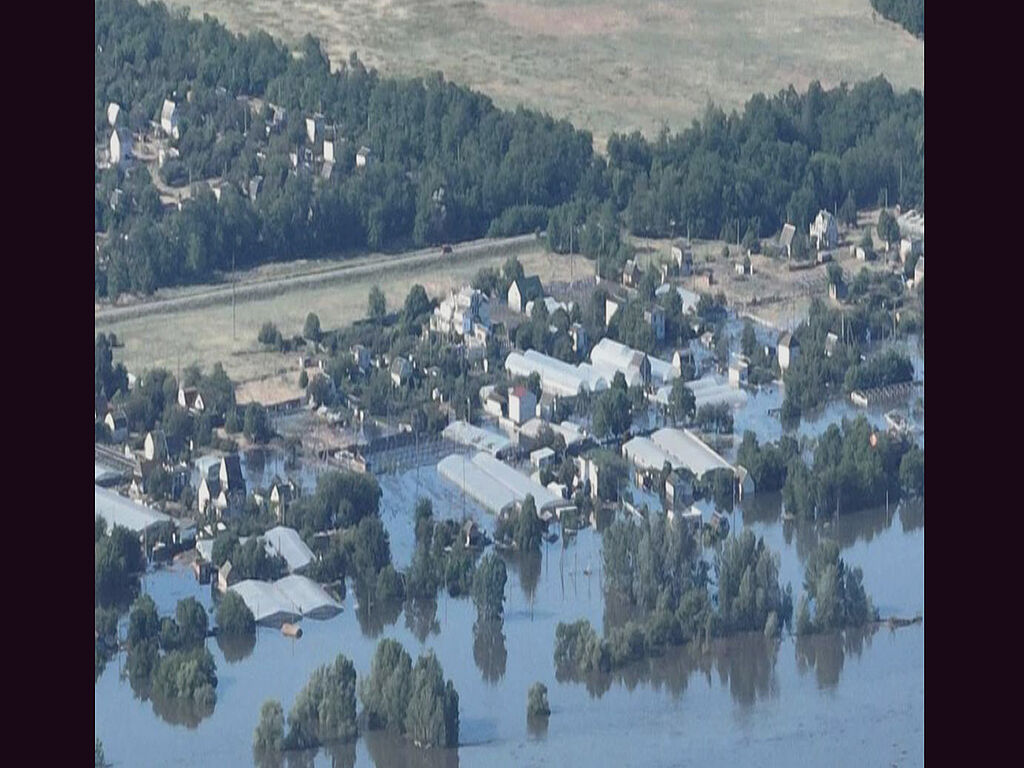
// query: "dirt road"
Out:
[258,286]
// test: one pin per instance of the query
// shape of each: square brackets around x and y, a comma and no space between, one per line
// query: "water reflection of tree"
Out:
[826,653]
[373,615]
[301,758]
[537,727]
[343,755]
[851,528]
[489,650]
[746,663]
[528,568]
[389,749]
[181,711]
[236,647]
[421,618]
[762,508]
[912,515]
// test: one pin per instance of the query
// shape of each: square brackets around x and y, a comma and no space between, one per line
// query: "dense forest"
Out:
[447,164]
[907,13]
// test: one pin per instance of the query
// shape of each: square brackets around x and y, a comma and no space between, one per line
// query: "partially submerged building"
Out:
[286,600]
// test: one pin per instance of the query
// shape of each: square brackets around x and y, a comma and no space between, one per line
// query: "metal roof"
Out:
[118,510]
[480,486]
[467,434]
[688,450]
[645,454]
[287,599]
[286,542]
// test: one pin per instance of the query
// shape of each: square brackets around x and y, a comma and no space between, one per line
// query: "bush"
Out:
[269,735]
[537,701]
[311,329]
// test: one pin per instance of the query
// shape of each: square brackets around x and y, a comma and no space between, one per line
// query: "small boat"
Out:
[291,630]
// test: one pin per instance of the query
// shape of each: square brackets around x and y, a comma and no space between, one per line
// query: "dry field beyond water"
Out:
[607,67]
[204,334]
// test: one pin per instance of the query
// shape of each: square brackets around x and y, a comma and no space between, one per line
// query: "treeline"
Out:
[657,568]
[907,13]
[448,165]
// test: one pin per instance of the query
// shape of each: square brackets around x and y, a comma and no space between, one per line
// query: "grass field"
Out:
[204,334]
[607,67]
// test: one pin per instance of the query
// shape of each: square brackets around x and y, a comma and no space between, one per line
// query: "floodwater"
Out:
[832,700]
[826,700]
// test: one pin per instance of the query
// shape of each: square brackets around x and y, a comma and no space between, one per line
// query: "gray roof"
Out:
[786,238]
[233,467]
[530,288]
[475,437]
[286,599]
[287,543]
[119,510]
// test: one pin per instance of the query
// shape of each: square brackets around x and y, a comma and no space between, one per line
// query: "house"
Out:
[738,368]
[824,232]
[362,357]
[209,469]
[744,482]
[209,491]
[683,358]
[155,447]
[611,306]
[472,536]
[837,291]
[860,253]
[113,111]
[401,371]
[919,272]
[682,257]
[542,457]
[823,257]
[831,342]
[631,273]
[522,404]
[789,349]
[224,578]
[786,239]
[169,118]
[579,338]
[463,313]
[329,151]
[522,290]
[120,146]
[255,185]
[910,246]
[190,398]
[314,127]
[678,490]
[656,318]
[231,480]
[281,496]
[117,422]
[363,157]
[495,403]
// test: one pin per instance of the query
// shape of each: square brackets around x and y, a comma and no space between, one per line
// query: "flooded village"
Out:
[539,426]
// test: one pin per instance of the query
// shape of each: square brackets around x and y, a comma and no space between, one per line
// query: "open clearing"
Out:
[606,67]
[203,334]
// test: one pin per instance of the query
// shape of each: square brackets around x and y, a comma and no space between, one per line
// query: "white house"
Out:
[522,404]
[329,151]
[738,369]
[113,110]
[631,273]
[189,397]
[169,118]
[789,350]
[523,290]
[363,157]
[542,457]
[910,246]
[120,146]
[682,257]
[611,306]
[314,127]
[117,421]
[401,371]
[823,230]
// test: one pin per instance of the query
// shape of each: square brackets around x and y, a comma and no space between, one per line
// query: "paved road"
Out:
[270,286]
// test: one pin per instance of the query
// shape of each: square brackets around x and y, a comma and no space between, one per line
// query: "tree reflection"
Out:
[421,618]
[389,749]
[537,727]
[912,515]
[527,565]
[826,653]
[301,758]
[342,754]
[236,647]
[747,665]
[374,615]
[489,651]
[181,711]
[762,508]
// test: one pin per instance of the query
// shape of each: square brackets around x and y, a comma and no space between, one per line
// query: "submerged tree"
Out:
[325,710]
[432,718]
[537,701]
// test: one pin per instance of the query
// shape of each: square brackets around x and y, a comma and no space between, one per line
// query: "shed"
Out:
[363,157]
[169,118]
[522,404]
[190,398]
[542,457]
[117,422]
[788,349]
[786,238]
[522,290]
